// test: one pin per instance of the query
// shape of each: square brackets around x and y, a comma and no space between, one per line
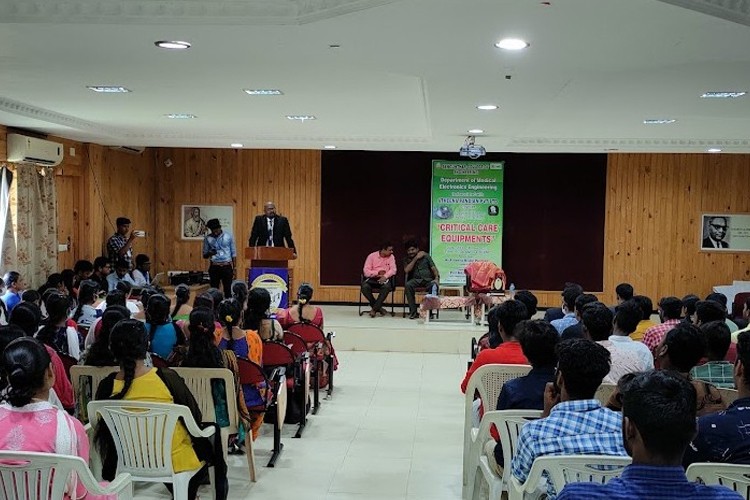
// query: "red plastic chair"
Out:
[320,347]
[275,355]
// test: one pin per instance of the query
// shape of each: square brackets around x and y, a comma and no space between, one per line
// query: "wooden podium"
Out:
[272,257]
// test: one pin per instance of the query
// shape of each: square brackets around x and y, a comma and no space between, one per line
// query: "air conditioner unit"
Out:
[24,149]
[133,150]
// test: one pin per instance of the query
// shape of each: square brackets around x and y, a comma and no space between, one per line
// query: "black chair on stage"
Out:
[376,288]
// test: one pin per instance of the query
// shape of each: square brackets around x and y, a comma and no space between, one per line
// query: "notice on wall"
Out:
[466,222]
[725,232]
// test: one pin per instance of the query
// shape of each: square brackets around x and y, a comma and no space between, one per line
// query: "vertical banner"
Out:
[275,280]
[466,221]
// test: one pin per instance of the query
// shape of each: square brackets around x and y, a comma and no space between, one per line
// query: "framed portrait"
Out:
[194,218]
[721,232]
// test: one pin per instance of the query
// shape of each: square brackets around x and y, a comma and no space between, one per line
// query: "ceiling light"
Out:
[487,107]
[476,131]
[301,118]
[713,150]
[236,145]
[329,147]
[723,95]
[263,92]
[512,44]
[108,89]
[180,116]
[172,44]
[658,121]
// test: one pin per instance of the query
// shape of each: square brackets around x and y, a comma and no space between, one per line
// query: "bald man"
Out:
[271,229]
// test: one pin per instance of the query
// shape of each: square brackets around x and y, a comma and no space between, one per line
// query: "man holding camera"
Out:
[219,249]
[119,245]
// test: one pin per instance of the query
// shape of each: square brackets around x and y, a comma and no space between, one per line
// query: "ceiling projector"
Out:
[471,150]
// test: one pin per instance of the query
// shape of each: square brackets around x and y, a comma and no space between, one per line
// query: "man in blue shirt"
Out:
[219,249]
[658,422]
[722,436]
[575,423]
[122,273]
[569,296]
[14,286]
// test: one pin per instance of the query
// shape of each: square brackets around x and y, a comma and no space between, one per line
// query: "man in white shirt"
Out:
[627,316]
[122,273]
[142,273]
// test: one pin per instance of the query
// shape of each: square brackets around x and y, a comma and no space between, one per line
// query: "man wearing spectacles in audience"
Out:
[717,231]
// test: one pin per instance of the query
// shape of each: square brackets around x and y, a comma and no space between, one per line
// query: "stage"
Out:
[450,334]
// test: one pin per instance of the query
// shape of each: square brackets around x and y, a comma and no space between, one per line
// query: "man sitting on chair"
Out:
[380,266]
[420,272]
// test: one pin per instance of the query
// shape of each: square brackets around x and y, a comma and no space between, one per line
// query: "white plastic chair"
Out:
[488,380]
[142,434]
[736,477]
[42,476]
[564,469]
[199,381]
[94,375]
[508,423]
[604,392]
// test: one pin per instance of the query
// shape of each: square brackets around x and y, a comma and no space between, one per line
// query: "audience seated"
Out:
[683,346]
[245,344]
[136,382]
[257,316]
[31,296]
[99,354]
[658,422]
[716,370]
[528,299]
[304,312]
[538,341]
[553,313]
[56,332]
[492,338]
[115,298]
[14,286]
[688,307]
[569,296]
[141,274]
[647,306]
[164,334]
[627,316]
[576,331]
[102,268]
[573,422]
[597,326]
[30,422]
[707,311]
[27,316]
[746,316]
[721,299]
[122,273]
[181,310]
[509,313]
[623,292]
[83,269]
[722,437]
[85,313]
[670,309]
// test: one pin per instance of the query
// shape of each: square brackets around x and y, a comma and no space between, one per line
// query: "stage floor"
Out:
[451,333]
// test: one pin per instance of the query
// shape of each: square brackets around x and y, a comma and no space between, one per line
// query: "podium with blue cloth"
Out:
[269,268]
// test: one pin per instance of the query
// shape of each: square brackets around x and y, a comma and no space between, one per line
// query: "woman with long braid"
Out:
[136,382]
[257,316]
[181,309]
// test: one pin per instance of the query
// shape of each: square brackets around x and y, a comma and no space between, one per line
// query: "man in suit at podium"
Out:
[271,230]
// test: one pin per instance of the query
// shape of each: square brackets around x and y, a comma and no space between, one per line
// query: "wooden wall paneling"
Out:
[68,219]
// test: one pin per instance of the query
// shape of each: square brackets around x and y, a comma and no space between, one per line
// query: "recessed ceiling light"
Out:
[334,46]
[487,107]
[476,131]
[301,118]
[512,44]
[329,147]
[723,94]
[180,116]
[263,92]
[236,145]
[658,121]
[107,89]
[713,150]
[172,44]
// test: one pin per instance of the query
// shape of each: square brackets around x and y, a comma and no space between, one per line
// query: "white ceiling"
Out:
[407,76]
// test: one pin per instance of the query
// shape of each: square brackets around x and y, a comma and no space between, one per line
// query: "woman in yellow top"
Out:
[136,382]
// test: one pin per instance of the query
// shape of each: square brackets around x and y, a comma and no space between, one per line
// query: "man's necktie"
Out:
[270,233]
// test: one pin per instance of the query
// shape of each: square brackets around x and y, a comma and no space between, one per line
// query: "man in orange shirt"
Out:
[509,314]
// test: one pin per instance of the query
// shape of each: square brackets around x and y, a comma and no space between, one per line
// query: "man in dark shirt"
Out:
[538,340]
[120,244]
[420,272]
[576,331]
[724,436]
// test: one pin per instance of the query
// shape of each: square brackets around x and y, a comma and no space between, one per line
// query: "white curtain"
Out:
[7,238]
[33,199]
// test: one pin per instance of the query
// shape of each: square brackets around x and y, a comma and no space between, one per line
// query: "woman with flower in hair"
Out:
[304,312]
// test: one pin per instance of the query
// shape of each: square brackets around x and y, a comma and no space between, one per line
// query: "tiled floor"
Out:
[393,430]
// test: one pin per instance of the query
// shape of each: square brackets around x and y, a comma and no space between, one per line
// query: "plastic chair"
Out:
[736,477]
[85,380]
[508,423]
[200,382]
[604,392]
[564,469]
[26,475]
[376,288]
[317,343]
[275,398]
[276,354]
[142,433]
[488,380]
